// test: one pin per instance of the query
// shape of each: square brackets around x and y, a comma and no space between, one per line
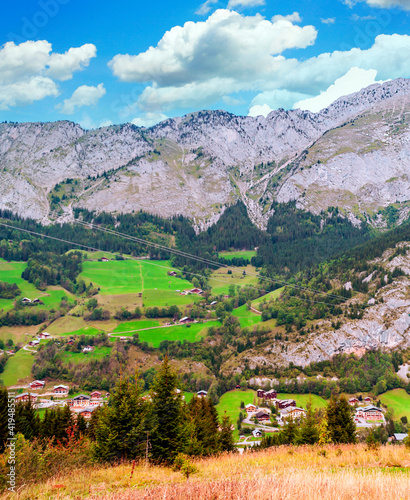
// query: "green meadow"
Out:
[220,280]
[245,254]
[302,400]
[17,368]
[246,318]
[266,298]
[399,400]
[83,357]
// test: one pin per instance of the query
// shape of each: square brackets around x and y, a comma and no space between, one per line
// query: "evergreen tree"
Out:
[204,427]
[27,420]
[342,428]
[226,434]
[308,431]
[168,437]
[323,432]
[289,433]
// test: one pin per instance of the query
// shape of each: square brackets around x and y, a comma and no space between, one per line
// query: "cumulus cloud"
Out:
[293,18]
[28,70]
[245,3]
[265,102]
[206,7]
[381,4]
[328,20]
[211,58]
[149,119]
[83,96]
[354,80]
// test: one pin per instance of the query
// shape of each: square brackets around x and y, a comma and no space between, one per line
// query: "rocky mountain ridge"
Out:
[202,162]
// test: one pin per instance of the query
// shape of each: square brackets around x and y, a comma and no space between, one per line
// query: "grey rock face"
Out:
[354,154]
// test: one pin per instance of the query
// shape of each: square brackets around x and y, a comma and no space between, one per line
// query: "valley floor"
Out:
[308,473]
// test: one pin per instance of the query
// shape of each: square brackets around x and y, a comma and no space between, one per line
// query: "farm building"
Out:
[60,390]
[37,384]
[34,343]
[285,403]
[202,394]
[88,348]
[26,396]
[44,335]
[263,416]
[257,433]
[353,401]
[186,320]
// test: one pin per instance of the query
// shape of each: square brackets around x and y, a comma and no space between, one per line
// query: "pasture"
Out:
[246,318]
[302,400]
[84,357]
[220,280]
[244,254]
[399,400]
[266,298]
[17,368]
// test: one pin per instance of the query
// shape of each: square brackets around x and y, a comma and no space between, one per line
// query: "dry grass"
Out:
[308,473]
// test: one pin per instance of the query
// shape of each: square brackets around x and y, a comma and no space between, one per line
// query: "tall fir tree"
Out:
[308,430]
[169,433]
[204,427]
[226,442]
[342,428]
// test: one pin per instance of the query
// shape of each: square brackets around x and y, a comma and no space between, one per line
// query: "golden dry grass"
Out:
[341,473]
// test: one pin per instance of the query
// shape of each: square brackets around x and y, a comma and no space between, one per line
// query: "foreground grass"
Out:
[308,473]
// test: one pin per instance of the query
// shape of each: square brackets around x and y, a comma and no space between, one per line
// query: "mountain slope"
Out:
[201,163]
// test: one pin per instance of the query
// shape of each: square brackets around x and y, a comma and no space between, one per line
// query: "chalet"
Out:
[370,413]
[70,342]
[85,412]
[44,335]
[285,403]
[36,301]
[25,396]
[125,339]
[96,395]
[88,348]
[250,408]
[367,400]
[172,273]
[353,401]
[213,303]
[272,394]
[263,416]
[80,400]
[34,343]
[25,300]
[292,411]
[198,291]
[104,259]
[202,394]
[186,320]
[60,390]
[260,393]
[257,433]
[237,386]
[37,384]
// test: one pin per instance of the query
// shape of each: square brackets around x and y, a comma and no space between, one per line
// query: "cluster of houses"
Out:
[197,291]
[41,336]
[81,404]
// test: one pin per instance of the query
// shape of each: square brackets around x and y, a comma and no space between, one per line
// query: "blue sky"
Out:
[104,62]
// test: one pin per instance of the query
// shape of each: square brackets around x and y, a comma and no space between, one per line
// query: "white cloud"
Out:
[354,80]
[149,119]
[106,123]
[381,4]
[386,4]
[293,18]
[260,110]
[355,17]
[28,70]
[206,7]
[199,62]
[329,20]
[83,96]
[245,3]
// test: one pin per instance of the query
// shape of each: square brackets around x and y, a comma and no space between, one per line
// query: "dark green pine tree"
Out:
[120,428]
[309,433]
[226,442]
[3,418]
[341,426]
[169,424]
[204,435]
[80,427]
[289,433]
[27,420]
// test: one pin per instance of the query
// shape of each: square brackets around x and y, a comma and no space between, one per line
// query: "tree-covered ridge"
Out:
[300,239]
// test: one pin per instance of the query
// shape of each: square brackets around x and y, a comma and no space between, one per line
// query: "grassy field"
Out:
[131,326]
[303,399]
[266,298]
[86,330]
[246,318]
[10,272]
[399,400]
[220,279]
[83,357]
[245,254]
[18,367]
[190,333]
[231,401]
